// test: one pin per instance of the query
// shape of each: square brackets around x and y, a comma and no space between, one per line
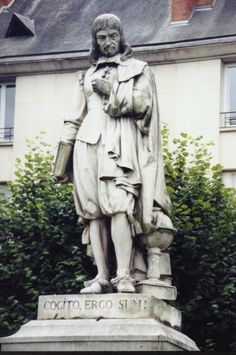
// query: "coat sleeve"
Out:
[63,159]
[75,116]
[132,99]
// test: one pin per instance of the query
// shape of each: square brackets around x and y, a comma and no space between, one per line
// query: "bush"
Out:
[41,252]
[203,254]
[40,240]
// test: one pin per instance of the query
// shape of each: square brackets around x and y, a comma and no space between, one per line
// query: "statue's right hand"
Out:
[102,87]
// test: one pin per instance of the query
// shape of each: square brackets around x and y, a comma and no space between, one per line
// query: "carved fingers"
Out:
[101,87]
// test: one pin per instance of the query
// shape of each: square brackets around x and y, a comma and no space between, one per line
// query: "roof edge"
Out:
[156,54]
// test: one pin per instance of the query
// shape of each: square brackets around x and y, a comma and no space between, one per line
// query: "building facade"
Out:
[189,44]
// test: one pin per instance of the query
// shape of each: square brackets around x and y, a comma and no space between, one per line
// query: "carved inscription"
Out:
[106,306]
[133,304]
[95,306]
[123,304]
[61,305]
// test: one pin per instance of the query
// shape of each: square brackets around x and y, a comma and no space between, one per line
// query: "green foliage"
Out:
[40,240]
[203,254]
[41,252]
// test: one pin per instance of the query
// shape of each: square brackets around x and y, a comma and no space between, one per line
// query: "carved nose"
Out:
[108,41]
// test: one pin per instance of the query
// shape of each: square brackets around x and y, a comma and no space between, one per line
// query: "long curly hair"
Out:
[103,22]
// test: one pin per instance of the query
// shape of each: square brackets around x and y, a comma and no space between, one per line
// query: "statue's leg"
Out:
[99,243]
[122,239]
[99,235]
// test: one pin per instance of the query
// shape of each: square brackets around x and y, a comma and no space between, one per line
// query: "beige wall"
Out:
[40,102]
[189,101]
[227,149]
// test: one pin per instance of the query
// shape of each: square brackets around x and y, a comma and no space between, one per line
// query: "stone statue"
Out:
[113,134]
[119,186]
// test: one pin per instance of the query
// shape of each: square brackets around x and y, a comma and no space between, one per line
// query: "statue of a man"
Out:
[118,176]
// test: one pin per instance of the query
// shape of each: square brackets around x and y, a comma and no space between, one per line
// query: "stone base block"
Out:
[97,335]
[107,322]
[111,306]
[160,290]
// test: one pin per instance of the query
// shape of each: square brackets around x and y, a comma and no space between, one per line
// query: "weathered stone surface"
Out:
[165,267]
[106,91]
[110,322]
[158,289]
[111,306]
[92,335]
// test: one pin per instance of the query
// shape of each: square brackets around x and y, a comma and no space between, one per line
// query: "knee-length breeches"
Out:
[96,198]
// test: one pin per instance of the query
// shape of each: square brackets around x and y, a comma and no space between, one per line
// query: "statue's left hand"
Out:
[102,87]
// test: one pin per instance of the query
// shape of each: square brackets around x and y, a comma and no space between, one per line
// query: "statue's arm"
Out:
[75,116]
[72,122]
[142,95]
[133,98]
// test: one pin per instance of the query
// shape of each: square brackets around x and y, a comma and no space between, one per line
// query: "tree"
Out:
[204,251]
[41,251]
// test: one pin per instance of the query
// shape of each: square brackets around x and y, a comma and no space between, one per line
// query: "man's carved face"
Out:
[108,42]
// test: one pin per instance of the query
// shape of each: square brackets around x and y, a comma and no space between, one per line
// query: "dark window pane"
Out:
[0,103]
[10,106]
[1,115]
[232,89]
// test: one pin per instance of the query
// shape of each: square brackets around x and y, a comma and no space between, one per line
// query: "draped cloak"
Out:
[134,118]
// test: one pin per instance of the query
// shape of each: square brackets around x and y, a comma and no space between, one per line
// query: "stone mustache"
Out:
[113,132]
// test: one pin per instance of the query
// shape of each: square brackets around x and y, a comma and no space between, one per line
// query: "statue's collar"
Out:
[126,69]
[107,60]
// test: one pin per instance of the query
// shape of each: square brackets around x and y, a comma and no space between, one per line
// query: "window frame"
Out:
[228,178]
[6,133]
[226,115]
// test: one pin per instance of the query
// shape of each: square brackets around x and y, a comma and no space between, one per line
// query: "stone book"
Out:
[63,160]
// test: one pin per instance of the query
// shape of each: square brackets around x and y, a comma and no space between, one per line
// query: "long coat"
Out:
[132,138]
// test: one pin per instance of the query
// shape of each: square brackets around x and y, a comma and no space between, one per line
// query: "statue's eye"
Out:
[101,38]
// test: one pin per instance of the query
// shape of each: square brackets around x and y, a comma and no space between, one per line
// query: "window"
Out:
[228,116]
[4,189]
[229,178]
[7,110]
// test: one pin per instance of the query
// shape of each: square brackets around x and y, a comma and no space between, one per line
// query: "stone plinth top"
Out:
[86,335]
[109,306]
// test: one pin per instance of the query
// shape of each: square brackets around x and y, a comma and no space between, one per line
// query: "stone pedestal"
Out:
[157,288]
[112,322]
